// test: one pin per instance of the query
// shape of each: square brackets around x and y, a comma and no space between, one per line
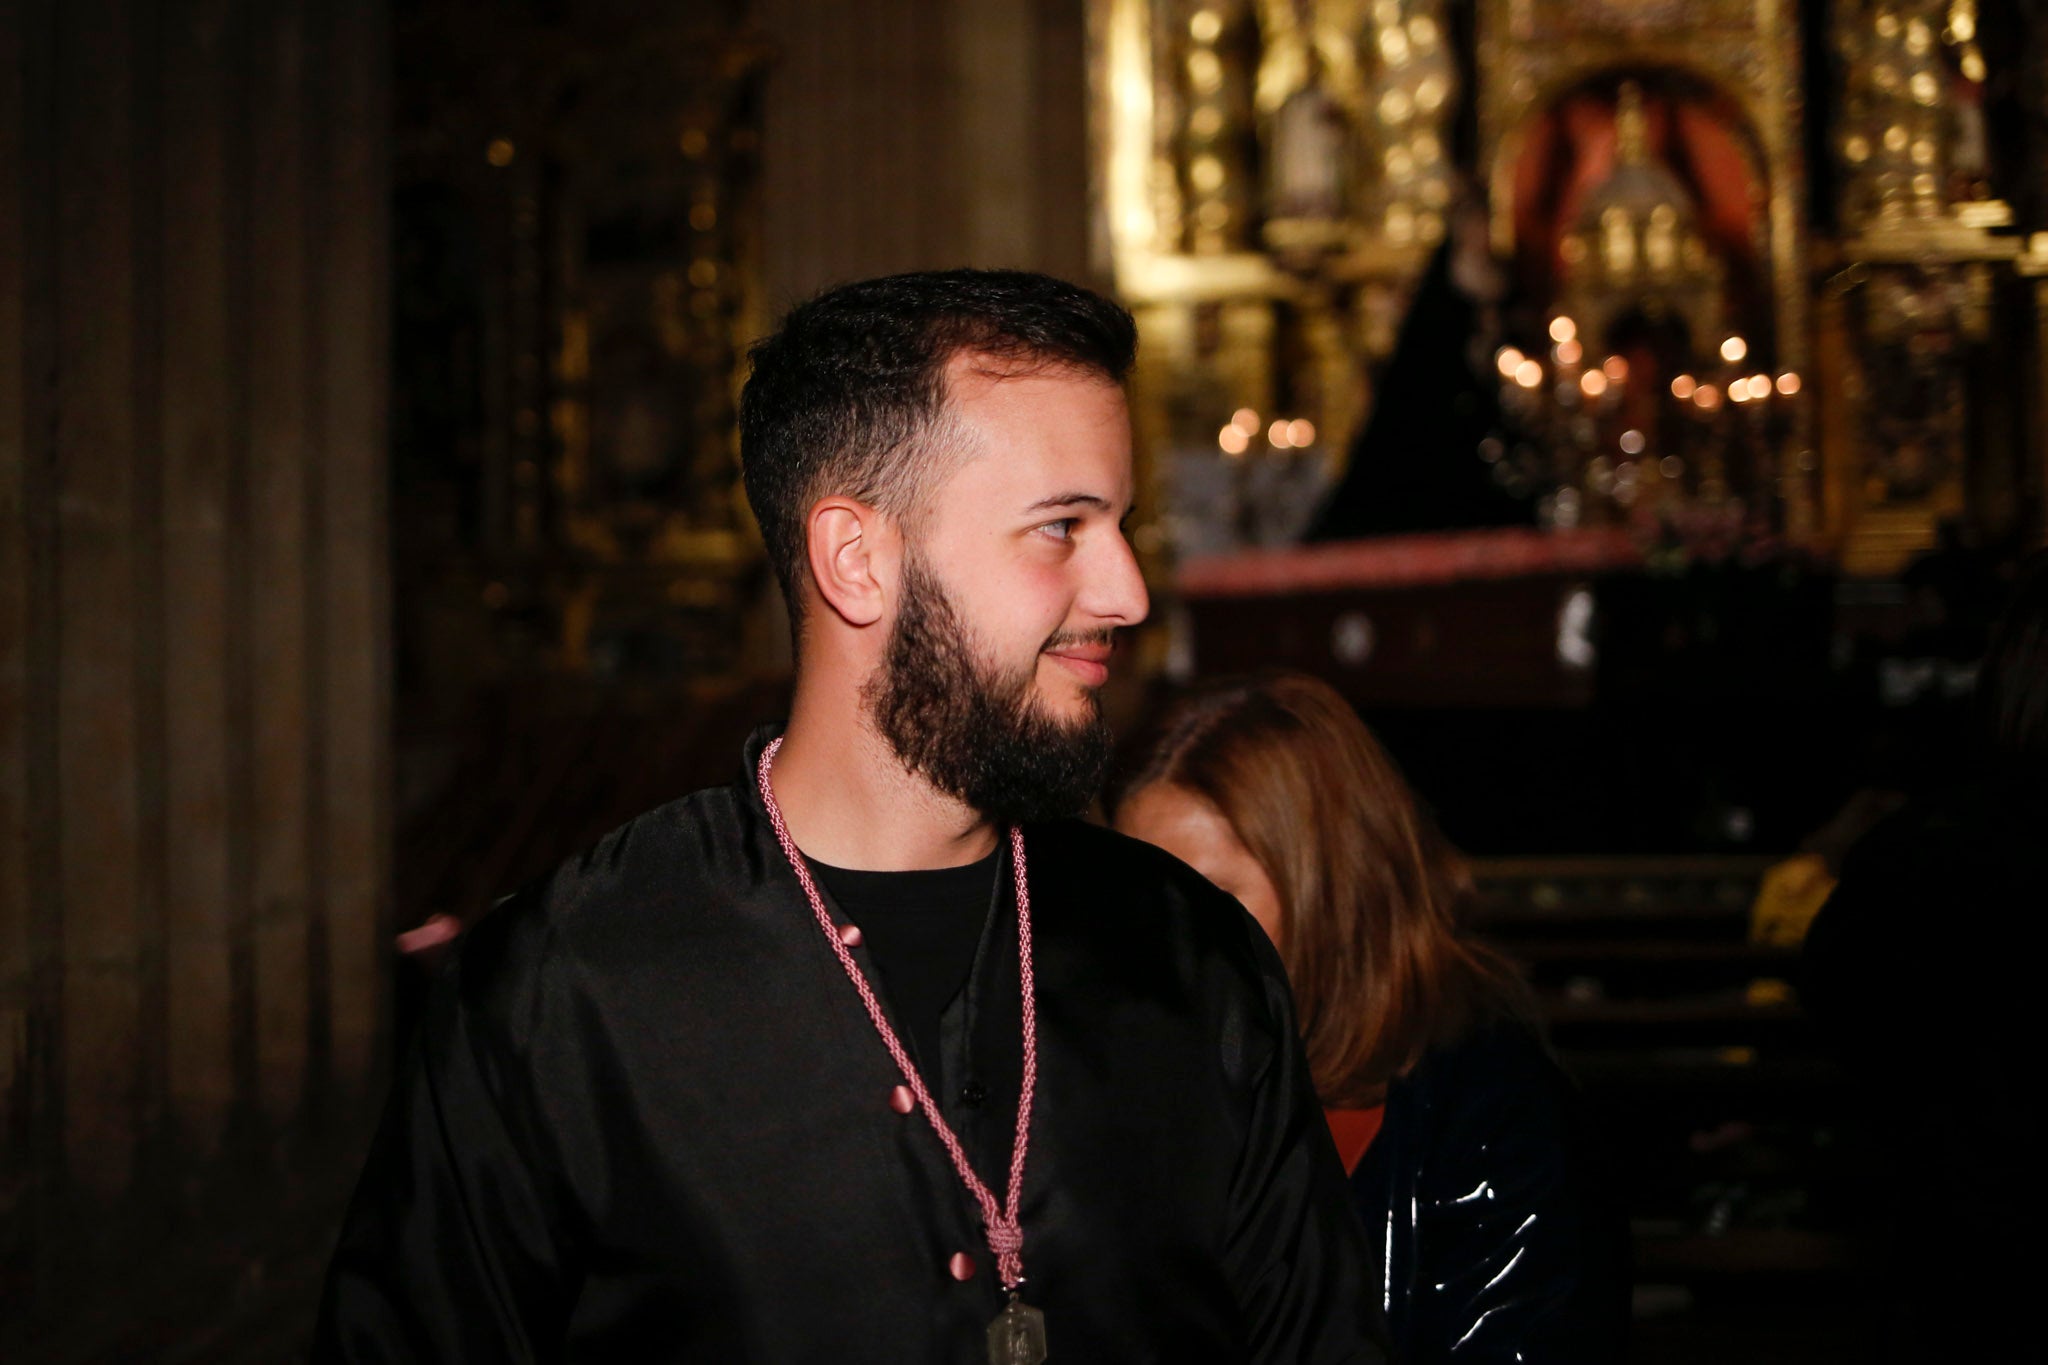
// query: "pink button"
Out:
[901,1100]
[849,934]
[961,1266]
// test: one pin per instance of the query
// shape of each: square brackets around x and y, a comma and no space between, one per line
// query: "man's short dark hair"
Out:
[848,396]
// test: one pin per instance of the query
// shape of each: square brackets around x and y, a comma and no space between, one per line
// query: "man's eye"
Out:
[1063,529]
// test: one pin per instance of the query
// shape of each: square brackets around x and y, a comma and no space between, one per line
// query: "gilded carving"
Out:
[1642,164]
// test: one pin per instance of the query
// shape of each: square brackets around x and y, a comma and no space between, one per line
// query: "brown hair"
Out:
[1368,885]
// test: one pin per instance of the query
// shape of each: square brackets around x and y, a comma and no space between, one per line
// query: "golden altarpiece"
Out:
[1274,175]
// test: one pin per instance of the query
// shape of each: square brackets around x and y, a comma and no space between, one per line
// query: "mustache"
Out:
[1063,639]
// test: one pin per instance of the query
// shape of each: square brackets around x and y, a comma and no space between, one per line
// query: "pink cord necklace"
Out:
[1017,1336]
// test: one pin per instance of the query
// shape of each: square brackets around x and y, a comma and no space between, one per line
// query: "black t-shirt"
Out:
[921,929]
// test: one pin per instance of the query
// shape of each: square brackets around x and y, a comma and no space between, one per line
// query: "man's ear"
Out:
[852,550]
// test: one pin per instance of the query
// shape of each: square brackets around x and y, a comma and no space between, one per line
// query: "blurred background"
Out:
[1636,408]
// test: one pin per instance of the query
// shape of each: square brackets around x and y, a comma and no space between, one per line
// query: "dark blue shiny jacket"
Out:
[1499,1241]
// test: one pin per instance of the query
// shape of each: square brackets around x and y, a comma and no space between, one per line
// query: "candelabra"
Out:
[1258,485]
[1604,439]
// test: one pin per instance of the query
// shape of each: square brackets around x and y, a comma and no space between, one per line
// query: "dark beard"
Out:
[972,733]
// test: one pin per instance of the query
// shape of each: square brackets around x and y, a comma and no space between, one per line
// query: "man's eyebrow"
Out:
[1070,500]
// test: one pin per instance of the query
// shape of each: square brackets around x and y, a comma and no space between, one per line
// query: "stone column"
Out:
[193,663]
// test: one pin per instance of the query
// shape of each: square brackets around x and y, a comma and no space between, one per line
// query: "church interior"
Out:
[1637,409]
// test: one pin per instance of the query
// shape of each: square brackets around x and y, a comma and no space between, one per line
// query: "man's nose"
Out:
[1117,589]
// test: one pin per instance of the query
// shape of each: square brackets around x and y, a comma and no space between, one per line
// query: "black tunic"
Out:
[647,1119]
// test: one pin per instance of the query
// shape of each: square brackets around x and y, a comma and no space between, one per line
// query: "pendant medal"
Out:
[1017,1336]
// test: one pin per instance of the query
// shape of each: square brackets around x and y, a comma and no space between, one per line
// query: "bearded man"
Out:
[874,1055]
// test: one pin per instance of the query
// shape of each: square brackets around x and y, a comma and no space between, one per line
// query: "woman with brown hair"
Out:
[1457,1128]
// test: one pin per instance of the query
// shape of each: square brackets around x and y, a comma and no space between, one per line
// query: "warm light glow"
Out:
[1276,435]
[1301,433]
[1682,387]
[1707,396]
[1671,466]
[1615,368]
[1233,440]
[1562,328]
[1759,386]
[500,152]
[1632,442]
[1738,390]
[1593,382]
[1246,421]
[1129,187]
[1568,352]
[1734,349]
[1206,26]
[1528,374]
[1507,360]
[1788,383]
